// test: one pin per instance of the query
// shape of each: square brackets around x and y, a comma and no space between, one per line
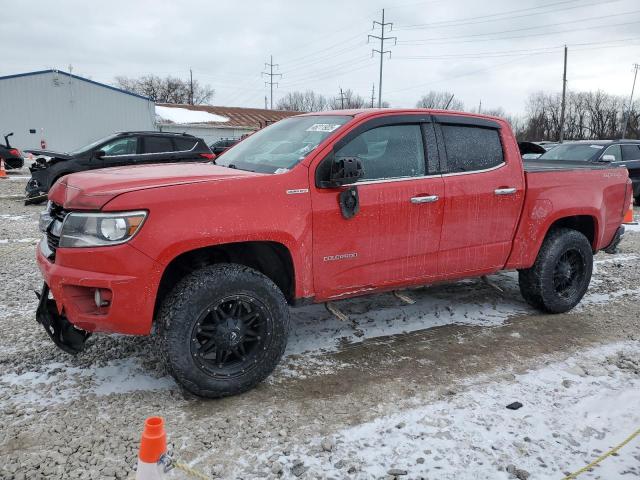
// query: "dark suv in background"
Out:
[125,148]
[623,153]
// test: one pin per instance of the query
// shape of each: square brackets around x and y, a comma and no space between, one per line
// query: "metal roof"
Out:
[238,116]
[70,75]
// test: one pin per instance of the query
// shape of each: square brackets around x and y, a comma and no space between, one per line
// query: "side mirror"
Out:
[343,171]
[99,154]
[608,158]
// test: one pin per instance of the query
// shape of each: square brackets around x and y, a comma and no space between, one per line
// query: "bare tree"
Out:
[440,100]
[308,101]
[166,90]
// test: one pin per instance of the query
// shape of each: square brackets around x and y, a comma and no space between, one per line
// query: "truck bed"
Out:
[561,165]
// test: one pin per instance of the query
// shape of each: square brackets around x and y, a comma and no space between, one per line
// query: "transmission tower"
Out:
[382,51]
[270,74]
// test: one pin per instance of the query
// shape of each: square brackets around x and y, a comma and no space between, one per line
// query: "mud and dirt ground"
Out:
[399,391]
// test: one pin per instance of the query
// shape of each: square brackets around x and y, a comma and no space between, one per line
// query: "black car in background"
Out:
[125,148]
[624,153]
[223,145]
[12,156]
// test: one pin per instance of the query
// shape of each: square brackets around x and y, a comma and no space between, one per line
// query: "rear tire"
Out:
[225,328]
[559,278]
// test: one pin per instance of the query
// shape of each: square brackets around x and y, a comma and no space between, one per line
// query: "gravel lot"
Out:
[400,391]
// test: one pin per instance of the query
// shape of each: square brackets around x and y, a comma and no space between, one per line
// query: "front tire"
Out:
[559,278]
[225,328]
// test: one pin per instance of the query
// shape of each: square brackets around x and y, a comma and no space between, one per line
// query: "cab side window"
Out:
[471,148]
[392,151]
[630,152]
[157,145]
[615,151]
[121,146]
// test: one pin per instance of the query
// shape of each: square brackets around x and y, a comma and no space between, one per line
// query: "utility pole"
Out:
[373,94]
[270,74]
[190,87]
[382,51]
[480,106]
[342,98]
[564,95]
[265,103]
[636,66]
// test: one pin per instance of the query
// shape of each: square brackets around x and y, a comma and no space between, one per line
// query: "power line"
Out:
[503,15]
[439,39]
[382,51]
[270,74]
[448,41]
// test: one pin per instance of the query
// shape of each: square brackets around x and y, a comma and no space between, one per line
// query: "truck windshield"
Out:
[281,146]
[582,151]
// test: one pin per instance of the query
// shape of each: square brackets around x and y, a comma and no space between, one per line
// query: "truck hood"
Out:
[94,188]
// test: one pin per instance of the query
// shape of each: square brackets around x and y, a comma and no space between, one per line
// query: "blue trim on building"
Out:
[41,72]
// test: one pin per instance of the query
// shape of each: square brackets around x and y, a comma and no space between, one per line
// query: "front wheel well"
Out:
[272,259]
[584,224]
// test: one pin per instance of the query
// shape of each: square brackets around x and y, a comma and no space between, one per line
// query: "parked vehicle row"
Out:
[12,156]
[311,209]
[120,149]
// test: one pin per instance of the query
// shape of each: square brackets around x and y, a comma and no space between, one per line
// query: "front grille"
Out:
[57,213]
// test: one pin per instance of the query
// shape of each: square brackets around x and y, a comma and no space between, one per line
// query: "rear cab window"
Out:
[471,148]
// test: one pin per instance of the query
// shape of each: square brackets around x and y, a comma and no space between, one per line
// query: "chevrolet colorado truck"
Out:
[313,208]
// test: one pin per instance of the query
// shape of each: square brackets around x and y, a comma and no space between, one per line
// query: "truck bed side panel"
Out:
[553,195]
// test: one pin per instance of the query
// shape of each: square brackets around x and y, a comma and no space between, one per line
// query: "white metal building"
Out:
[65,111]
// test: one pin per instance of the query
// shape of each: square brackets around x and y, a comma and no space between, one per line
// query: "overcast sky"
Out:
[494,51]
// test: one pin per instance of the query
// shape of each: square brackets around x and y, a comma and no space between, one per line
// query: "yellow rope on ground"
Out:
[603,456]
[187,469]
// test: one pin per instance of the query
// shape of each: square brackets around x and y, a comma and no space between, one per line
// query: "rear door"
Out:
[157,149]
[483,191]
[394,237]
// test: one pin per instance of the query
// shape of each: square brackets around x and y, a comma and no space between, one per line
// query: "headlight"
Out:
[100,229]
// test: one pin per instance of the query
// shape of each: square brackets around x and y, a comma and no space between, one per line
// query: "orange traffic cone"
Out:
[3,171]
[628,217]
[153,445]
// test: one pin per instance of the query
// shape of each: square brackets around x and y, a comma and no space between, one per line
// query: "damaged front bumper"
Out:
[66,336]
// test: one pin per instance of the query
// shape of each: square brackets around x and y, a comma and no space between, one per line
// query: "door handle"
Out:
[505,191]
[425,199]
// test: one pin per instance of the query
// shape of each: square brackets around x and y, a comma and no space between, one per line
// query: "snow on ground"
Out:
[184,115]
[573,412]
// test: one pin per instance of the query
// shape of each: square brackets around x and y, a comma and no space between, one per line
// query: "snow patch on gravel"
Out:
[60,383]
[573,412]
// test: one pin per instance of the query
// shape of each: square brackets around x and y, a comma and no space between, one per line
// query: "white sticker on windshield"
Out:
[281,170]
[323,127]
[599,147]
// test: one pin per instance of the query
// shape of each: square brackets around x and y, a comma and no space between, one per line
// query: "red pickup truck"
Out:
[314,208]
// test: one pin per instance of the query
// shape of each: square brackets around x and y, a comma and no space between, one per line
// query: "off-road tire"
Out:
[192,296]
[537,283]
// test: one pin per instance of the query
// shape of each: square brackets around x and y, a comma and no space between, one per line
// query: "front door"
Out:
[394,238]
[118,152]
[484,193]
